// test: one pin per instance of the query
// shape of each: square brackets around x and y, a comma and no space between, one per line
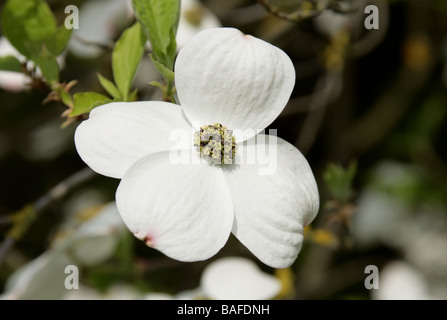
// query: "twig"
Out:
[323,94]
[296,16]
[246,15]
[5,220]
[5,246]
[373,38]
[23,219]
[344,6]
[387,111]
[324,281]
[108,46]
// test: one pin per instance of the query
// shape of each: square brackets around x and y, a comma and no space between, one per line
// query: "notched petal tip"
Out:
[183,211]
[149,241]
[225,76]
[147,238]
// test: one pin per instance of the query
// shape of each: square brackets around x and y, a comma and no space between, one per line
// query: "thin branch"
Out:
[295,16]
[102,46]
[5,220]
[344,6]
[5,246]
[246,15]
[387,111]
[24,218]
[305,104]
[373,38]
[320,100]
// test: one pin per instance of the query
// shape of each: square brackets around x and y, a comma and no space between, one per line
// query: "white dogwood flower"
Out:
[227,82]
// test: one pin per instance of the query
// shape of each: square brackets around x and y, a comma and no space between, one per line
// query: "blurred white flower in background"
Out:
[18,81]
[40,279]
[96,238]
[329,22]
[238,278]
[380,219]
[118,291]
[9,80]
[229,278]
[92,243]
[46,141]
[400,281]
[388,215]
[100,21]
[194,17]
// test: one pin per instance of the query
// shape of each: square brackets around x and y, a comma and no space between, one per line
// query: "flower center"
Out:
[216,143]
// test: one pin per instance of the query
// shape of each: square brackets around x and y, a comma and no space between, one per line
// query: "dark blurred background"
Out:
[373,100]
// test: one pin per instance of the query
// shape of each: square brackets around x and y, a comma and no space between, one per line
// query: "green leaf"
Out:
[65,97]
[159,19]
[48,65]
[167,74]
[126,57]
[133,95]
[84,102]
[26,24]
[339,180]
[10,63]
[109,87]
[57,42]
[31,28]
[157,84]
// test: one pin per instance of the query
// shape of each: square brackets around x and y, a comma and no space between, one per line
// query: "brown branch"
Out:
[318,103]
[295,16]
[24,218]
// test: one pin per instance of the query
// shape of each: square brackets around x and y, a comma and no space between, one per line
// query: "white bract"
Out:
[187,209]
